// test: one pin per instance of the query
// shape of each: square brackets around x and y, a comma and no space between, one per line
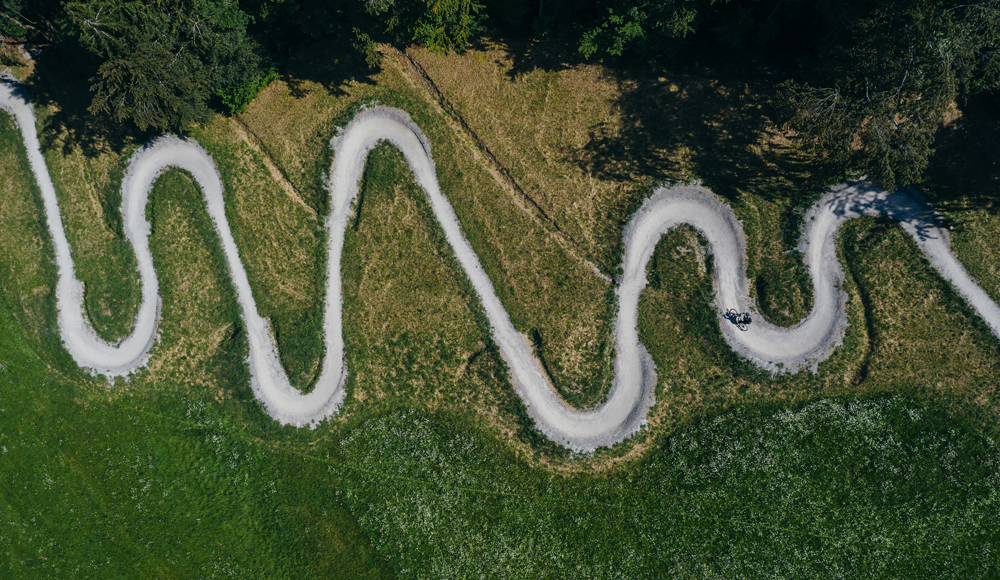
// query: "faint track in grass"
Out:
[256,143]
[500,173]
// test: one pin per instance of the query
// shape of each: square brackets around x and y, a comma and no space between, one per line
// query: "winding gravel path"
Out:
[632,392]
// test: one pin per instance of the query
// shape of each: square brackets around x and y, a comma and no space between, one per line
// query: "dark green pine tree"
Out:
[162,61]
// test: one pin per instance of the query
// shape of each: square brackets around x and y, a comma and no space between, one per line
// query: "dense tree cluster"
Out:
[881,82]
[164,64]
[875,76]
[162,60]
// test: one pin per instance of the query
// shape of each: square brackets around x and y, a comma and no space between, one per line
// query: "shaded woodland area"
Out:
[865,84]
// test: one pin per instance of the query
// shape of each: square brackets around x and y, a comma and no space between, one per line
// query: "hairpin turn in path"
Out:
[632,392]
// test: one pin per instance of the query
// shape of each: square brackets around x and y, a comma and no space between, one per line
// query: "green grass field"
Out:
[177,487]
[882,464]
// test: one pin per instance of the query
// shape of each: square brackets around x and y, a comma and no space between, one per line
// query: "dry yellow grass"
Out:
[88,187]
[549,293]
[191,331]
[535,122]
[281,241]
[586,142]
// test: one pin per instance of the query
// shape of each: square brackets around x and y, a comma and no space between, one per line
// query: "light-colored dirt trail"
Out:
[631,395]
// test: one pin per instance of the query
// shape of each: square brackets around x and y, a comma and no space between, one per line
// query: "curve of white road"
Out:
[632,392]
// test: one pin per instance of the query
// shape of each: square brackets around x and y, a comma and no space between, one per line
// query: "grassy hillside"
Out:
[882,463]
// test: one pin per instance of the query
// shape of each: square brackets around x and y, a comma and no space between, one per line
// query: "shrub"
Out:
[237,98]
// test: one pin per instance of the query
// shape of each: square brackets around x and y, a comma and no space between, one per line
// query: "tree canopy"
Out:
[872,81]
[885,76]
[639,26]
[161,61]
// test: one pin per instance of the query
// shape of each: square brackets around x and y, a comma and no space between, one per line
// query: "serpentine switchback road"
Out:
[632,393]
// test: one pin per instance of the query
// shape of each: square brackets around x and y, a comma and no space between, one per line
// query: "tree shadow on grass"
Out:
[528,55]
[716,124]
[61,83]
[332,63]
[964,171]
[715,120]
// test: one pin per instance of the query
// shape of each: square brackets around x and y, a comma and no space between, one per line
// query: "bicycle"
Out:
[740,319]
